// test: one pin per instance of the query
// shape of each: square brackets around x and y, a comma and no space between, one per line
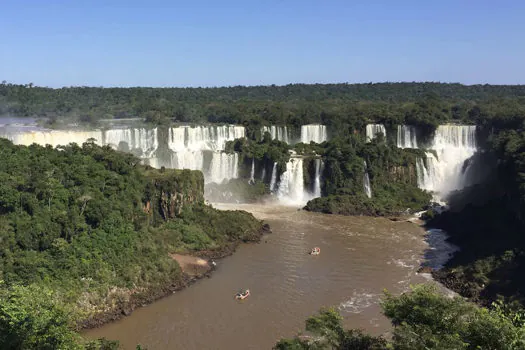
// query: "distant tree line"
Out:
[343,107]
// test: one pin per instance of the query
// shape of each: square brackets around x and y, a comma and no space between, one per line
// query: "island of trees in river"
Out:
[83,210]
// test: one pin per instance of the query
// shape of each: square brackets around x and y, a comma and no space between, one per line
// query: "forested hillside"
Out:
[336,105]
[86,233]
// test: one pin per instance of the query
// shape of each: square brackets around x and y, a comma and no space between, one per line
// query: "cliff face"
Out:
[170,191]
[404,174]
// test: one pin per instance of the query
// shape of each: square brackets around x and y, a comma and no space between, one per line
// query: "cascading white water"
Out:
[191,143]
[406,136]
[427,175]
[291,186]
[252,174]
[366,182]
[55,137]
[313,132]
[203,138]
[279,133]
[263,175]
[223,167]
[141,141]
[193,160]
[273,181]
[453,145]
[319,165]
[372,130]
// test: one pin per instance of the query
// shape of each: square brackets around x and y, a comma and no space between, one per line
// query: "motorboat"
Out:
[315,251]
[242,295]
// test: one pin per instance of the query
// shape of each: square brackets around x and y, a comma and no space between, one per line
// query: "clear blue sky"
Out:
[252,42]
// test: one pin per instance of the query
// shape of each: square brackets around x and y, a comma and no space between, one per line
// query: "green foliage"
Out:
[33,318]
[343,107]
[392,174]
[422,319]
[266,150]
[425,319]
[327,332]
[76,228]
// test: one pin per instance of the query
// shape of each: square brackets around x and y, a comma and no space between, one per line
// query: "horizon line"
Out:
[252,86]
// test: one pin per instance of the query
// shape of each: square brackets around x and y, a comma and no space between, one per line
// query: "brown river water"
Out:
[360,257]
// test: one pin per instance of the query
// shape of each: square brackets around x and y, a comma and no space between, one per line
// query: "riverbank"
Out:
[360,257]
[194,266]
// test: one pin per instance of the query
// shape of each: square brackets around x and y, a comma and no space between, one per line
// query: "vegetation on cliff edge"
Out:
[79,238]
[422,319]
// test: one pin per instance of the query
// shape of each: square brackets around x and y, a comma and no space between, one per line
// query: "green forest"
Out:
[85,228]
[392,173]
[342,107]
[421,319]
[86,234]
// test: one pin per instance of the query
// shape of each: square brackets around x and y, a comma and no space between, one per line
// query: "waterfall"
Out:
[193,160]
[140,141]
[203,138]
[263,175]
[313,132]
[223,167]
[252,175]
[190,144]
[291,186]
[54,137]
[406,136]
[427,174]
[366,182]
[444,172]
[372,130]
[195,148]
[273,181]
[319,165]
[279,133]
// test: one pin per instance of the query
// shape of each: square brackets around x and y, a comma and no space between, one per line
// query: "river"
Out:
[360,256]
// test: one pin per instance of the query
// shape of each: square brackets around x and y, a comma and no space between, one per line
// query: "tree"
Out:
[423,319]
[31,318]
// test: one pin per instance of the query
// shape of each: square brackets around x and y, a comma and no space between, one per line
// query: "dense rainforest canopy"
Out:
[85,230]
[75,233]
[342,107]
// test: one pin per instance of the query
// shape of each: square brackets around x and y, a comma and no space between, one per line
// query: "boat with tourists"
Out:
[242,295]
[315,251]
